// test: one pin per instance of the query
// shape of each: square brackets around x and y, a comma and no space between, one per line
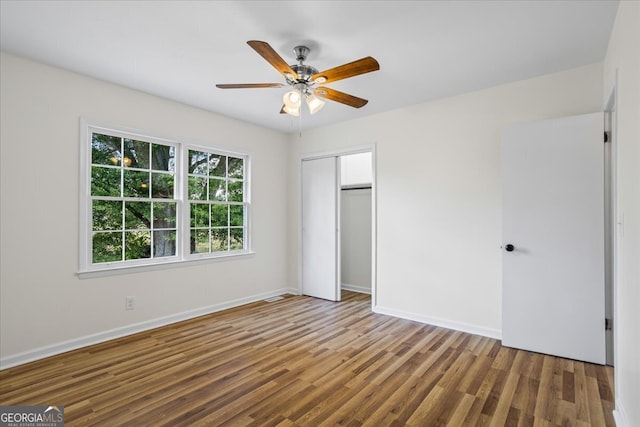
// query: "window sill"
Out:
[114,271]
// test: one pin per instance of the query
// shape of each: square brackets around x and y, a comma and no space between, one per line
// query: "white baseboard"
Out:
[619,415]
[73,344]
[444,323]
[356,288]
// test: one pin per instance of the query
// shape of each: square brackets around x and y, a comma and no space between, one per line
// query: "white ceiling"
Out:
[426,49]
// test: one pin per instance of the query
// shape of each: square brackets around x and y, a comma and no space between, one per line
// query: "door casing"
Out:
[610,110]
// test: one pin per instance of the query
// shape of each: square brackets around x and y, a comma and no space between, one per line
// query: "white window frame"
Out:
[89,269]
[246,203]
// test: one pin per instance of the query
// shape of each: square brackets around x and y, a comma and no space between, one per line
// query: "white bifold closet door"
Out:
[553,237]
[320,234]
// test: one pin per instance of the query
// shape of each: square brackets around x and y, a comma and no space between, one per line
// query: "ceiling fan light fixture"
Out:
[293,111]
[314,103]
[292,99]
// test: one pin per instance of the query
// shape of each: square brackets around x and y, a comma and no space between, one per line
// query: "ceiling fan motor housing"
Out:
[304,72]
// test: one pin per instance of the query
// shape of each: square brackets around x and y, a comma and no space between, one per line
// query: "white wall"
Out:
[438,192]
[45,307]
[623,58]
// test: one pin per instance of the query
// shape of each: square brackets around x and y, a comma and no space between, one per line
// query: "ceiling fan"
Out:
[305,79]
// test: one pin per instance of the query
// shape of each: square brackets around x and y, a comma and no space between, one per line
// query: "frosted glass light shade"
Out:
[292,99]
[314,103]
[292,111]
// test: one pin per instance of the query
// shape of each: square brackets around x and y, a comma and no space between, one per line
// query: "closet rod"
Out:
[356,187]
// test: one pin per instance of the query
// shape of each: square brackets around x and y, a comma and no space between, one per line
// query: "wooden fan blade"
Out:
[272,57]
[355,68]
[248,85]
[341,97]
[282,110]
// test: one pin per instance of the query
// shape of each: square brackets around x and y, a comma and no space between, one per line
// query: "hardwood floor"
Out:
[307,362]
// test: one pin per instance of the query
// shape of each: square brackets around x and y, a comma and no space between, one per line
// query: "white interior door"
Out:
[553,216]
[320,250]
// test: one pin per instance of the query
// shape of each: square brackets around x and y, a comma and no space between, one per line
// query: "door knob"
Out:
[509,247]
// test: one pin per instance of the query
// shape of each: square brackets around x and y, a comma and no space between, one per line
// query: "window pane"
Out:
[107,215]
[164,157]
[137,244]
[237,238]
[199,241]
[136,183]
[105,181]
[137,215]
[217,189]
[219,239]
[164,215]
[107,247]
[105,149]
[197,188]
[236,215]
[136,154]
[198,162]
[162,185]
[217,165]
[236,168]
[199,215]
[219,215]
[164,243]
[236,191]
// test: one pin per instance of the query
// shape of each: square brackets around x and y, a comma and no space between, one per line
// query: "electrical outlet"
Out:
[130,303]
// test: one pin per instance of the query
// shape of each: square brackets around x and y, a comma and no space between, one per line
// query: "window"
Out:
[216,200]
[143,204]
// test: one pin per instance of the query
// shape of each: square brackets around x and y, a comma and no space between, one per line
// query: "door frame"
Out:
[368,148]
[610,108]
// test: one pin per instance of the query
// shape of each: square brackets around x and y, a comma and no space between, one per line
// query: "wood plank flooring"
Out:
[306,362]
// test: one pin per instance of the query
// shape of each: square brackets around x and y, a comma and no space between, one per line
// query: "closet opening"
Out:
[355,222]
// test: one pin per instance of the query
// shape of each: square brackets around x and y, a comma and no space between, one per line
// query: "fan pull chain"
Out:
[300,123]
